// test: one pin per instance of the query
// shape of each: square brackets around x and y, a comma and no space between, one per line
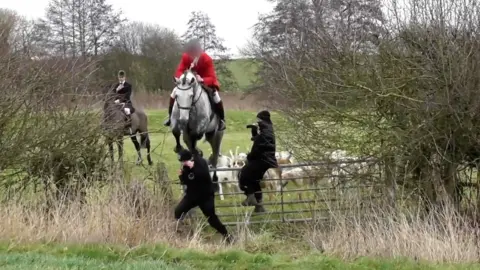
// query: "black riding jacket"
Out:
[124,94]
[197,179]
[264,146]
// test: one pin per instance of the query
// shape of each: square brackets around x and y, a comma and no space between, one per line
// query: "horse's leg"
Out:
[178,147]
[193,145]
[137,148]
[145,141]
[120,150]
[215,141]
[191,141]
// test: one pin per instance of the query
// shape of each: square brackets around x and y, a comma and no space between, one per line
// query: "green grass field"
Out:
[236,135]
[163,141]
[243,71]
[49,257]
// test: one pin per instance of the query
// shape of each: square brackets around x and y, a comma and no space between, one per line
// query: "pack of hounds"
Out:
[335,174]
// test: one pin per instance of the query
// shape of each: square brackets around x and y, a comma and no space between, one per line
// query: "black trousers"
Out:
[207,205]
[250,177]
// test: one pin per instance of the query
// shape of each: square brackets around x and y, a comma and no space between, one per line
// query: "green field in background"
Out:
[50,257]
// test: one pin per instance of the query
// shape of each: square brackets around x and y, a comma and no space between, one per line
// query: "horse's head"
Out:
[185,92]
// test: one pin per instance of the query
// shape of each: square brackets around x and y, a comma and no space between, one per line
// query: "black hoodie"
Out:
[197,179]
[264,146]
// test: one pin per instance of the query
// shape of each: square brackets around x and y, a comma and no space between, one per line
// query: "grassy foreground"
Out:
[160,257]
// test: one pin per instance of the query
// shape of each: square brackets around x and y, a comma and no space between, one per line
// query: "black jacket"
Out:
[197,179]
[124,94]
[264,146]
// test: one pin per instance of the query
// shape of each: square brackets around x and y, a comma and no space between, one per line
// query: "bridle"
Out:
[194,101]
[194,86]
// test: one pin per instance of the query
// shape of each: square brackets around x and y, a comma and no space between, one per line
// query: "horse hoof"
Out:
[177,149]
[139,162]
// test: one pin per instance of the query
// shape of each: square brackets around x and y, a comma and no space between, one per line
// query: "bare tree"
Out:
[82,27]
[149,54]
[201,27]
[402,88]
[8,20]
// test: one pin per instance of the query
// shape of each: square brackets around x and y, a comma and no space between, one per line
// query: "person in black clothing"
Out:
[195,175]
[123,92]
[259,160]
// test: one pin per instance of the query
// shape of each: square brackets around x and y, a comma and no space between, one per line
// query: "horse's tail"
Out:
[144,139]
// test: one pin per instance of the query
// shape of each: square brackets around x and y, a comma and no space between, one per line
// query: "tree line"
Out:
[397,80]
[93,30]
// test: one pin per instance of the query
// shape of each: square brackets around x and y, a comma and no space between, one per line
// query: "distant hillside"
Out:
[244,71]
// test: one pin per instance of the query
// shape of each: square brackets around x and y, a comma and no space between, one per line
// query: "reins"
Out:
[194,102]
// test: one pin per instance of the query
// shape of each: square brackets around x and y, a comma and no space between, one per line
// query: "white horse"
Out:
[193,116]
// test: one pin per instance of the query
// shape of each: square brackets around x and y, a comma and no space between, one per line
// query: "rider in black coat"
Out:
[195,175]
[122,94]
[259,160]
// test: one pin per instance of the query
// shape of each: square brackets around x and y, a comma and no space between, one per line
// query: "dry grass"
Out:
[440,237]
[111,218]
[121,215]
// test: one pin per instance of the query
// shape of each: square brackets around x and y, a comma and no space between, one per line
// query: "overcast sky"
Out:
[233,19]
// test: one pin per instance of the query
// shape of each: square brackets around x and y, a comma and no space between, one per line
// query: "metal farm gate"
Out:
[331,188]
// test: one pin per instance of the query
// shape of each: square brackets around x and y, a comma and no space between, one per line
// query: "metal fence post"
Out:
[281,199]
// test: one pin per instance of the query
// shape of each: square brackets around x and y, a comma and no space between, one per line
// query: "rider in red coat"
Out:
[203,65]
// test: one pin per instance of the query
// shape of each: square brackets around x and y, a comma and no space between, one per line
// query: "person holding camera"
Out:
[260,158]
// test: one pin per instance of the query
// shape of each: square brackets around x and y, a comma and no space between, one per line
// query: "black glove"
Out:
[253,130]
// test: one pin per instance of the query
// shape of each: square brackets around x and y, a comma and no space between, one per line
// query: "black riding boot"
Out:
[221,115]
[250,200]
[170,108]
[259,208]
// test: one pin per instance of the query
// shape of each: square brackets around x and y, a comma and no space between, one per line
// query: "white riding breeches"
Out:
[127,111]
[172,95]
[216,97]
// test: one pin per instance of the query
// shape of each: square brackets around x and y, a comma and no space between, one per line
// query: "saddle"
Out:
[128,118]
[210,96]
[210,99]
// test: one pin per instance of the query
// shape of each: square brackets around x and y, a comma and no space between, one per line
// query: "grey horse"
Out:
[114,124]
[193,116]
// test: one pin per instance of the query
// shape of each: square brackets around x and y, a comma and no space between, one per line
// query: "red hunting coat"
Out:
[204,68]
